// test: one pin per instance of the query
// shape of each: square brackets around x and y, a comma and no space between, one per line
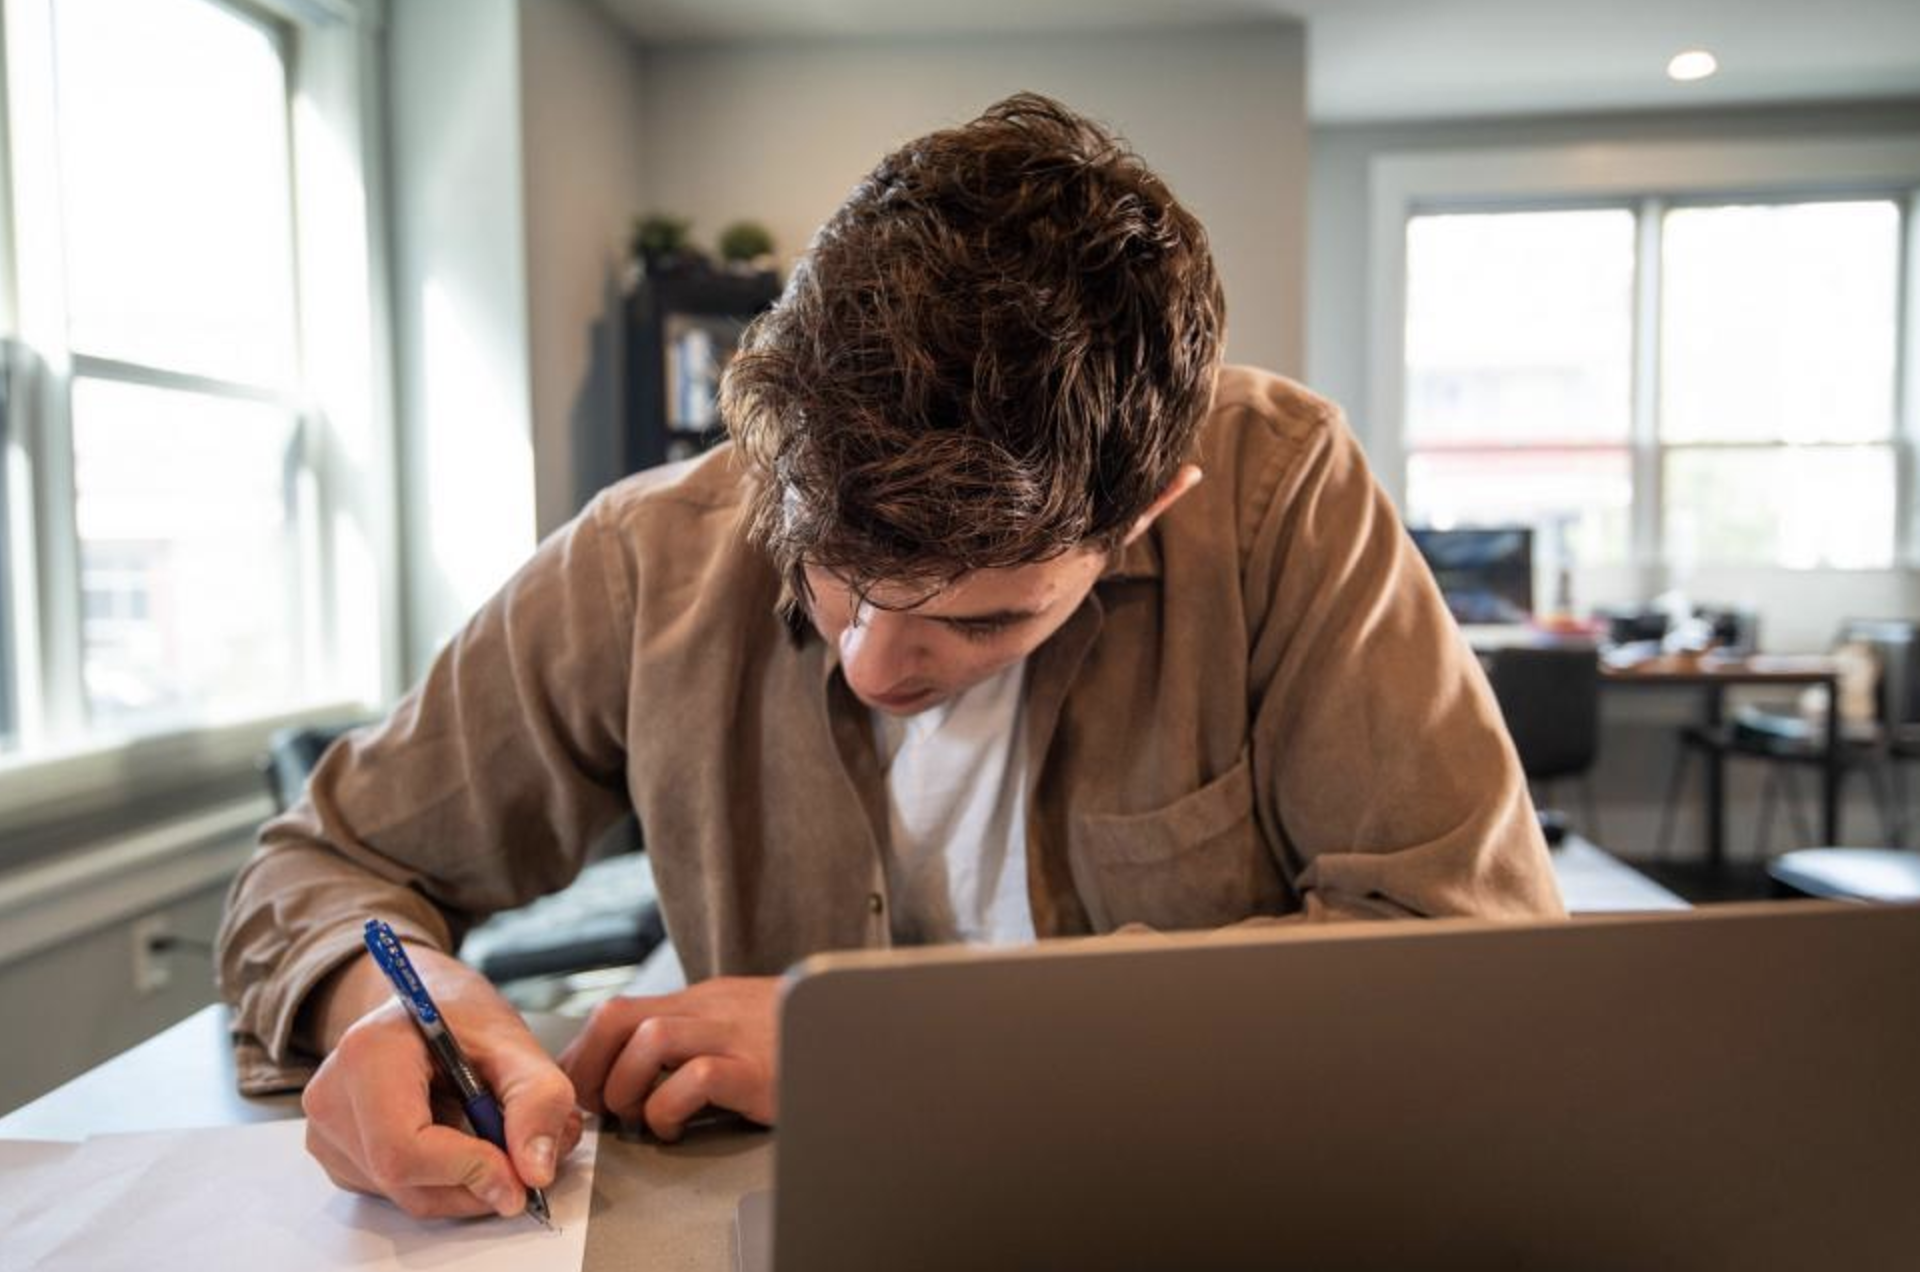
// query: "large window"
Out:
[185,424]
[1695,383]
[1520,372]
[177,180]
[1778,335]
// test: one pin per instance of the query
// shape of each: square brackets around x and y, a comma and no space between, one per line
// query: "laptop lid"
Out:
[1729,1087]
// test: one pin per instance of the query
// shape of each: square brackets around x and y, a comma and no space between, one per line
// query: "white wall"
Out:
[781,132]
[94,1014]
[69,927]
[460,308]
[515,171]
[582,114]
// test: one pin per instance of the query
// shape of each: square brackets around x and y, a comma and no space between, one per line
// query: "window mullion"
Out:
[1906,389]
[48,605]
[56,541]
[9,693]
[1648,550]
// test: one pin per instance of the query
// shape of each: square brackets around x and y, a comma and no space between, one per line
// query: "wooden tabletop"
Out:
[1709,669]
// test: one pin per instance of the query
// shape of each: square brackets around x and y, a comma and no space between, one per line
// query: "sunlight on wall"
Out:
[477,457]
[338,320]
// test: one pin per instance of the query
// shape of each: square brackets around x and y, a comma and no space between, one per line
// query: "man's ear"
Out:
[1186,479]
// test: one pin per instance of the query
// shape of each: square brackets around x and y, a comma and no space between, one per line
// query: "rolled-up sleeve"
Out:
[1383,767]
[484,788]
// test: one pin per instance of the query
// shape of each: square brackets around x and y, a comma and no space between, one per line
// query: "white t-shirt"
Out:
[956,797]
[956,794]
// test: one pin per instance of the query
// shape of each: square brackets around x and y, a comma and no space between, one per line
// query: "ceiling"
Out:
[1402,59]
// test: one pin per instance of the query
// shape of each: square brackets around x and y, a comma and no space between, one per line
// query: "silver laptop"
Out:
[1734,1087]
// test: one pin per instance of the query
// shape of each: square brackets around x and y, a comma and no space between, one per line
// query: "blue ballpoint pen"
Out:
[483,1111]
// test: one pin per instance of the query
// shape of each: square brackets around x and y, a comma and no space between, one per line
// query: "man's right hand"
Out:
[371,1108]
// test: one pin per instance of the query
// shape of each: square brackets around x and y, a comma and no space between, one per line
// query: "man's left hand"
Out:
[664,1059]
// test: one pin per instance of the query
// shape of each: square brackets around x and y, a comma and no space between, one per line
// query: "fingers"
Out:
[537,1156]
[403,1151]
[420,1202]
[589,1057]
[371,1118]
[716,1080]
[628,1042]
[657,1043]
[437,1172]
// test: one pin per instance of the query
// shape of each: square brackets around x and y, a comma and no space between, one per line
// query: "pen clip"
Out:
[392,959]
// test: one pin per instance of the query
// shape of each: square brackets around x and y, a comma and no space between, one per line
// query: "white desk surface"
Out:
[658,1207]
[1595,882]
[662,1208]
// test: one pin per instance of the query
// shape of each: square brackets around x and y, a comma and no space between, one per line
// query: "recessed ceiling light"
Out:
[1694,64]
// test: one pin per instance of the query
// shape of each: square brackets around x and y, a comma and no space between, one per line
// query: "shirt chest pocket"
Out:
[1199,862]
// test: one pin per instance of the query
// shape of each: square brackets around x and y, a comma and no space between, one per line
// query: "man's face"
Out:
[902,661]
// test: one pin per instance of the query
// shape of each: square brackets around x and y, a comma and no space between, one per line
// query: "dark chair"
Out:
[608,917]
[1787,743]
[291,756]
[1873,874]
[1550,696]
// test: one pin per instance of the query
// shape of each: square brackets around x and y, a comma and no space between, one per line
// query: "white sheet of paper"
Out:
[22,1159]
[250,1199]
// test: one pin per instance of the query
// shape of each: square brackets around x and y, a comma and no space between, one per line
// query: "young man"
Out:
[1008,615]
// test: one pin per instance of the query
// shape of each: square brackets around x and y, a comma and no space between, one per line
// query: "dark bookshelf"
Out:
[683,324]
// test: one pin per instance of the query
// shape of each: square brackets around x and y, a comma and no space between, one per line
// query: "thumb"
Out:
[537,1101]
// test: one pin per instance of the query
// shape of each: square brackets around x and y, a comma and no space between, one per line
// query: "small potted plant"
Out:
[746,246]
[661,243]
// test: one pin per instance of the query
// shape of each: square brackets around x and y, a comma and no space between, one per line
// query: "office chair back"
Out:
[609,917]
[1550,696]
[291,756]
[1895,646]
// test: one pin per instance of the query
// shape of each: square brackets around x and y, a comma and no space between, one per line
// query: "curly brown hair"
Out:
[998,349]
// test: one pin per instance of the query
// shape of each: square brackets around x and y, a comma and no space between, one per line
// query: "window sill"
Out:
[52,803]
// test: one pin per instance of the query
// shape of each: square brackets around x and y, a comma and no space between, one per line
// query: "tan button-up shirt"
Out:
[1261,709]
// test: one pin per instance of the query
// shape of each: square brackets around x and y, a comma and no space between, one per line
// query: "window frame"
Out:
[9,692]
[1650,546]
[1648,177]
[63,772]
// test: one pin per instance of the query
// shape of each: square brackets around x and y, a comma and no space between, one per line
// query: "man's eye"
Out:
[986,629]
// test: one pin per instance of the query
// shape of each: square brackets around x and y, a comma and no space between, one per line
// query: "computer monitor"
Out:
[1485,574]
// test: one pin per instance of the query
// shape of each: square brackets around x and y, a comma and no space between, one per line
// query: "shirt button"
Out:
[874,903]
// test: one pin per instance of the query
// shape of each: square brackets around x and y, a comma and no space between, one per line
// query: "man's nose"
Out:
[877,650]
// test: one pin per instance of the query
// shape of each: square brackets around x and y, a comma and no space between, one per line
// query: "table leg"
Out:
[1830,771]
[1716,785]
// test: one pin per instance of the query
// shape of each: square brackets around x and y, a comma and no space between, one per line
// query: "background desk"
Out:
[1713,677]
[658,1207]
